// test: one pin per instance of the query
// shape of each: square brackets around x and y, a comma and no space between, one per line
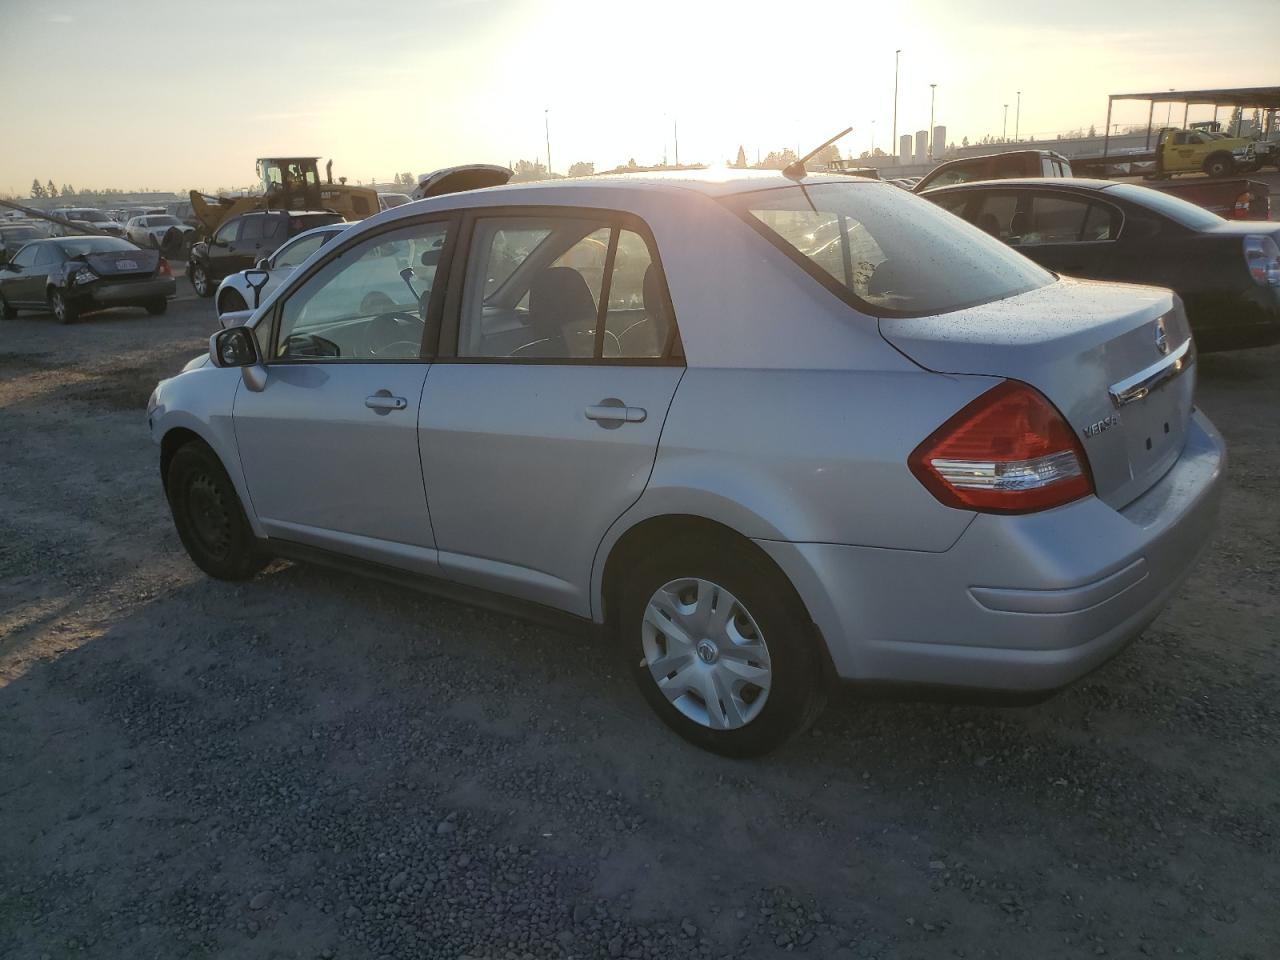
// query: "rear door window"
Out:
[1055,218]
[565,287]
[252,229]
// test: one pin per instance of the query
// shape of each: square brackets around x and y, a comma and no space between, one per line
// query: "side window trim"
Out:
[427,352]
[616,220]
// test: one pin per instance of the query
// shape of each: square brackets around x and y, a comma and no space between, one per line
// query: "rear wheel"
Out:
[231,300]
[721,647]
[200,281]
[1218,166]
[157,307]
[63,310]
[210,519]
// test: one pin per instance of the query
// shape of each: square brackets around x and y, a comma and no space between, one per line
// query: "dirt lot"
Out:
[312,766]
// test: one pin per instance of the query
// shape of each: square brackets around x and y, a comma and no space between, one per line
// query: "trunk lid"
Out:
[123,264]
[1094,350]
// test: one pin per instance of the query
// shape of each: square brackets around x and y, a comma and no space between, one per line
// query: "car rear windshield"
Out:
[82,246]
[89,216]
[1175,208]
[163,220]
[886,251]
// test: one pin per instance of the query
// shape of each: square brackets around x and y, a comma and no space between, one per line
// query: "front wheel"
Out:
[63,310]
[210,519]
[7,310]
[157,307]
[200,281]
[721,648]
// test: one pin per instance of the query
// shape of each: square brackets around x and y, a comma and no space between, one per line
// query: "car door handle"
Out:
[383,401]
[612,411]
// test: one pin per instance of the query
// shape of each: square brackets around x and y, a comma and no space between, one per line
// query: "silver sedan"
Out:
[763,433]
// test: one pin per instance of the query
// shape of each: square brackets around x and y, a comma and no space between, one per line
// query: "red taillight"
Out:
[165,269]
[1008,451]
[1241,209]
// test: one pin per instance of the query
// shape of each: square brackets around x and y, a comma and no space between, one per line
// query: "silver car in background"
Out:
[764,433]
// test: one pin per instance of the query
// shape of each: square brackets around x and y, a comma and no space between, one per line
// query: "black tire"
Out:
[1219,165]
[198,274]
[157,307]
[209,516]
[7,311]
[231,300]
[797,688]
[63,310]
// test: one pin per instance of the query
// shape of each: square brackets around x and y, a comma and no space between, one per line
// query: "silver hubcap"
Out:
[706,654]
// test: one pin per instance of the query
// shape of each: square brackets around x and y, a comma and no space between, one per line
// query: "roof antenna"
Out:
[796,171]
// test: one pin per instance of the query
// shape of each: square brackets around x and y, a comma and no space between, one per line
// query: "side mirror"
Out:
[262,264]
[237,347]
[233,347]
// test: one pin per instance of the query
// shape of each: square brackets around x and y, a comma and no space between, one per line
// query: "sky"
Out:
[180,95]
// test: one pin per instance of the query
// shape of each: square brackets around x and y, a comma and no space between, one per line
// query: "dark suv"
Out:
[244,240]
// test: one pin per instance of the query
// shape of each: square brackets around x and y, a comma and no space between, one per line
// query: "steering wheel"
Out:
[394,324]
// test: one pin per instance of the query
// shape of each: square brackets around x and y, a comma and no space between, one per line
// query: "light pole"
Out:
[1168,114]
[1004,130]
[675,136]
[546,126]
[894,142]
[873,138]
[1017,117]
[933,90]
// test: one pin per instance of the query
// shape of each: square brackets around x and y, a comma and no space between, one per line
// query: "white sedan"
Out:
[152,231]
[236,293]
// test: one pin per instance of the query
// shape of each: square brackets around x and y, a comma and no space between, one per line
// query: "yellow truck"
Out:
[1193,151]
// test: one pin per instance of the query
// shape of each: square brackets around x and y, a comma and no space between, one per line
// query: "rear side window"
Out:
[1061,219]
[557,288]
[886,251]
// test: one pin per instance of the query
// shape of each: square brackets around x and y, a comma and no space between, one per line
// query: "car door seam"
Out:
[653,465]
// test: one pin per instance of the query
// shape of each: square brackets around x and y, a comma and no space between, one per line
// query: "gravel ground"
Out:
[309,765]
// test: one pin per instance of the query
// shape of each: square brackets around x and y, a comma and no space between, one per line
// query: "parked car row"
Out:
[766,433]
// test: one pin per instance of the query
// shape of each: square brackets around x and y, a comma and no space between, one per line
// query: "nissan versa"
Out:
[766,432]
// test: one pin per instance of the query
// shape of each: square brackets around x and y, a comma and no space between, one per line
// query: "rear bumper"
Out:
[1229,324]
[1019,603]
[106,294]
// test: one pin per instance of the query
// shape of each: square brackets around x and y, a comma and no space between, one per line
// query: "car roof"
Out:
[1059,183]
[618,189]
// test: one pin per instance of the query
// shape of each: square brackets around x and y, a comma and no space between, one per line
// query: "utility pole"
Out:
[1168,114]
[546,126]
[873,138]
[894,142]
[1004,130]
[933,90]
[675,135]
[1017,117]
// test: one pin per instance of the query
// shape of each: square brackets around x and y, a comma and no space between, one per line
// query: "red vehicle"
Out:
[1235,198]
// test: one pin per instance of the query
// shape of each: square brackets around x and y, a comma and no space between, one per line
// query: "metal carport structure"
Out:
[1261,98]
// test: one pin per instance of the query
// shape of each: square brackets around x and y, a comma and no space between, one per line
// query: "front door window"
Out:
[371,302]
